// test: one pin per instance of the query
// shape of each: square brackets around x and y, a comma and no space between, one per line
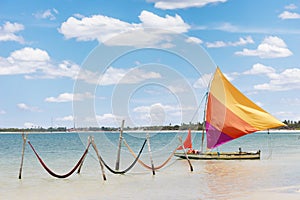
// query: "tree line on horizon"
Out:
[290,125]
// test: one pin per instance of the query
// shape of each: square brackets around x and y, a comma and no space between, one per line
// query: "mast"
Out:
[203,125]
[204,112]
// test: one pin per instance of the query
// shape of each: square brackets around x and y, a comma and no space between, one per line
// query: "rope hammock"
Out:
[114,171]
[144,164]
[58,175]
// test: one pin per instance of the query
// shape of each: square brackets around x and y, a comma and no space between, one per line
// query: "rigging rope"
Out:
[270,146]
[198,108]
[53,173]
[144,164]
[119,172]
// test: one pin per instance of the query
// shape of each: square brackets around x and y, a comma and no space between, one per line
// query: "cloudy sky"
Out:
[51,72]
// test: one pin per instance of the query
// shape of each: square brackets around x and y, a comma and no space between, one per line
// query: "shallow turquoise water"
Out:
[277,173]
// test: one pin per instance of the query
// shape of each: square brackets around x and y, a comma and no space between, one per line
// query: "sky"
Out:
[148,62]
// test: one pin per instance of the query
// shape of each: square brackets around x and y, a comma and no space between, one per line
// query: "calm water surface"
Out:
[275,176]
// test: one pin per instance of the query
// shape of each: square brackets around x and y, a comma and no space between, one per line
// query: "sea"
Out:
[275,176]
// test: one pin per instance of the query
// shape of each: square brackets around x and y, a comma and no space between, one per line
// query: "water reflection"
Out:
[230,179]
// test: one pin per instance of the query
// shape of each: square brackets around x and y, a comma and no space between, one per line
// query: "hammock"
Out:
[144,164]
[53,173]
[114,171]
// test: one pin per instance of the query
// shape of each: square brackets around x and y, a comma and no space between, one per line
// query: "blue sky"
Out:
[46,46]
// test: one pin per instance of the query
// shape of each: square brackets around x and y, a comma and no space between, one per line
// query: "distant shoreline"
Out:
[136,131]
[280,131]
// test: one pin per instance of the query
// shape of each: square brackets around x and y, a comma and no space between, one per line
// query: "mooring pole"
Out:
[23,152]
[150,154]
[119,147]
[180,140]
[99,158]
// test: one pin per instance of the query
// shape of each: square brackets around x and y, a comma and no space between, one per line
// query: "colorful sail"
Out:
[188,142]
[230,114]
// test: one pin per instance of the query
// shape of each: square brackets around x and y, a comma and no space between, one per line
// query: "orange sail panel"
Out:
[230,114]
[188,142]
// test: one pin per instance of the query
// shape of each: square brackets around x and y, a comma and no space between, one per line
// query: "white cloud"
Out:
[227,27]
[79,16]
[29,54]
[259,68]
[121,76]
[47,14]
[29,125]
[203,81]
[8,32]
[113,76]
[289,15]
[271,47]
[103,28]
[291,7]
[147,109]
[160,114]
[290,101]
[173,24]
[2,112]
[156,114]
[24,61]
[64,69]
[23,106]
[109,119]
[136,75]
[231,28]
[96,27]
[231,76]
[240,42]
[260,104]
[154,109]
[194,40]
[179,88]
[36,63]
[66,118]
[286,80]
[177,4]
[68,97]
[26,107]
[216,44]
[284,115]
[105,117]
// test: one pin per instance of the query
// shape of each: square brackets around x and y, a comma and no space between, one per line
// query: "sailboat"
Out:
[229,115]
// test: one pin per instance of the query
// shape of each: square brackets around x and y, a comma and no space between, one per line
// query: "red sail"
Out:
[188,142]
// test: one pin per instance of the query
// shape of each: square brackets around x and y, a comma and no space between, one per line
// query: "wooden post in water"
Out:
[99,158]
[180,140]
[119,146]
[150,154]
[79,168]
[23,152]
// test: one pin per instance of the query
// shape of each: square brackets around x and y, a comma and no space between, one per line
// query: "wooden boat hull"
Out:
[221,156]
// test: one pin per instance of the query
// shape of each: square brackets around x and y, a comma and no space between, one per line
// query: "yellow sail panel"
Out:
[261,120]
[240,105]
